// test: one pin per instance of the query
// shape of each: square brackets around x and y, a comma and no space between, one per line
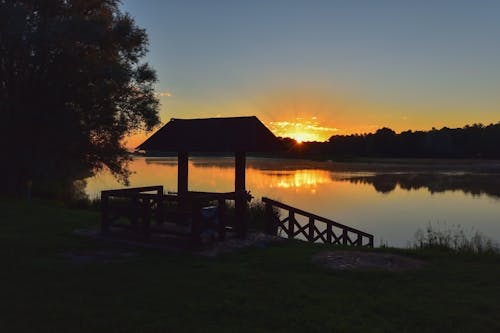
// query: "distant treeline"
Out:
[471,141]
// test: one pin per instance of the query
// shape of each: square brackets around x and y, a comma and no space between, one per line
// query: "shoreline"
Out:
[356,164]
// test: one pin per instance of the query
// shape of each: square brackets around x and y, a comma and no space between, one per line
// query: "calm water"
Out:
[392,204]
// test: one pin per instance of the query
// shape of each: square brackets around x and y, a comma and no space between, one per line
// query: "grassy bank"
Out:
[276,289]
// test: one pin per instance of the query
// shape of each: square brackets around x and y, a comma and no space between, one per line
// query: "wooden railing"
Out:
[333,232]
[142,206]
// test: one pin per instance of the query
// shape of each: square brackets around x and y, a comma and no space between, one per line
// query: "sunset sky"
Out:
[311,69]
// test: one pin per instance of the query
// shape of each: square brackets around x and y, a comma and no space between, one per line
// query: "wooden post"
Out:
[329,232]
[160,207]
[370,241]
[240,165]
[310,234]
[344,237]
[291,223]
[182,180]
[271,225]
[196,223]
[241,195]
[182,172]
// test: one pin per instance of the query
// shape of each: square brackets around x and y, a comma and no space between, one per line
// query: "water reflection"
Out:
[273,173]
[307,175]
[306,179]
[474,184]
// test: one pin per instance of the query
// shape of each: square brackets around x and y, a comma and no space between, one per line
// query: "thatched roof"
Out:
[235,134]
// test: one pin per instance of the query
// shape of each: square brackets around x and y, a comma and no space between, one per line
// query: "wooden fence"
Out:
[148,210]
[333,232]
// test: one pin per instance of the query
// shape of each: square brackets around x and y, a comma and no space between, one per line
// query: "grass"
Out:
[454,239]
[276,289]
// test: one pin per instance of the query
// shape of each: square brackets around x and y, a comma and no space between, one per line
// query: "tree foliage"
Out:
[471,141]
[72,86]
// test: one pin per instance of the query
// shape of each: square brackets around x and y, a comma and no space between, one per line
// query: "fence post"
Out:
[160,206]
[311,230]
[196,223]
[160,209]
[291,223]
[271,226]
[329,232]
[241,200]
[370,242]
[344,237]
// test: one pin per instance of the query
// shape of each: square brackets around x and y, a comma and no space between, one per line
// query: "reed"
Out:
[455,239]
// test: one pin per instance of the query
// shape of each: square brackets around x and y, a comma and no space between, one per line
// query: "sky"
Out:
[310,69]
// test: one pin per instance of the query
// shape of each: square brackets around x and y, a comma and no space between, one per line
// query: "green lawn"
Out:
[276,289]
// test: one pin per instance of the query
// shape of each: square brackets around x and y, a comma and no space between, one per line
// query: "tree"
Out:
[72,86]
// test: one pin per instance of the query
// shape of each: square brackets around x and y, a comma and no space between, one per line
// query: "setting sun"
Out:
[302,130]
[302,136]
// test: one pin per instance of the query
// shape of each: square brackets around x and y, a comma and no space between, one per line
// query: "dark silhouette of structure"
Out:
[229,135]
[236,135]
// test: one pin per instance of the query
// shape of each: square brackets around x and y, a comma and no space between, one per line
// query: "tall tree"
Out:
[72,86]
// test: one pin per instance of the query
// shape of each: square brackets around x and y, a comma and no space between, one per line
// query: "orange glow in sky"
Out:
[356,67]
[302,130]
[314,115]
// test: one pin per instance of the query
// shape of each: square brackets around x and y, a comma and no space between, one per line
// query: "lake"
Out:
[391,201]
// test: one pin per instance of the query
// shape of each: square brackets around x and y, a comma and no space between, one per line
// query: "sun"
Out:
[302,129]
[301,137]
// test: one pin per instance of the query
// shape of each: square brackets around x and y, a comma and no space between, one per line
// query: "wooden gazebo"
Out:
[235,135]
[238,136]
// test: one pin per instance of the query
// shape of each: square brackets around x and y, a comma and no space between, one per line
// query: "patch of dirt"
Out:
[85,257]
[357,260]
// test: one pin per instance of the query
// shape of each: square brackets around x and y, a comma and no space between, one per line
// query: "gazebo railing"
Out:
[142,206]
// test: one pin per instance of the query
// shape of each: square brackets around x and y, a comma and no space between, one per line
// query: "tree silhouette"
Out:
[72,85]
[471,141]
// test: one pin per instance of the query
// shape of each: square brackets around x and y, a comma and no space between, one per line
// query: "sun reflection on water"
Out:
[298,179]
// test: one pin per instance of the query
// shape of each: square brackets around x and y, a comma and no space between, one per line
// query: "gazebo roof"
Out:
[235,134]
